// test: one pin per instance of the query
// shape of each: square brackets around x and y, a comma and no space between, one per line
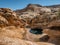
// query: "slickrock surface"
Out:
[15,36]
[33,25]
[42,18]
[15,41]
[38,16]
[8,18]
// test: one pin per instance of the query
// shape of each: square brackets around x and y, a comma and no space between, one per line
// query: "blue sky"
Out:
[20,4]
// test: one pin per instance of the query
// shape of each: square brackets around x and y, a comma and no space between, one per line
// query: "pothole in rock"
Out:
[36,31]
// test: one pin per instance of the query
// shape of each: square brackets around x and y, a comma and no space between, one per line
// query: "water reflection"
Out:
[36,31]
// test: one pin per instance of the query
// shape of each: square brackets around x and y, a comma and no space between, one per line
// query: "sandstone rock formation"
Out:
[15,41]
[8,18]
[41,17]
[38,16]
[33,25]
[15,36]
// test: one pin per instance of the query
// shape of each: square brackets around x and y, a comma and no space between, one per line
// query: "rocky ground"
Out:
[33,25]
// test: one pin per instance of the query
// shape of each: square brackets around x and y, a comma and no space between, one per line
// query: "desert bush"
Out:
[58,13]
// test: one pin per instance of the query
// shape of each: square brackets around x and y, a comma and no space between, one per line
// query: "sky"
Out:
[20,4]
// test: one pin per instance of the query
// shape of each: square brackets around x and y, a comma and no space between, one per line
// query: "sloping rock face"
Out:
[8,18]
[45,19]
[15,36]
[15,41]
[11,32]
[38,16]
[33,25]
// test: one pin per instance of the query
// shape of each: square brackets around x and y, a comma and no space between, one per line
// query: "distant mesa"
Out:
[34,5]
